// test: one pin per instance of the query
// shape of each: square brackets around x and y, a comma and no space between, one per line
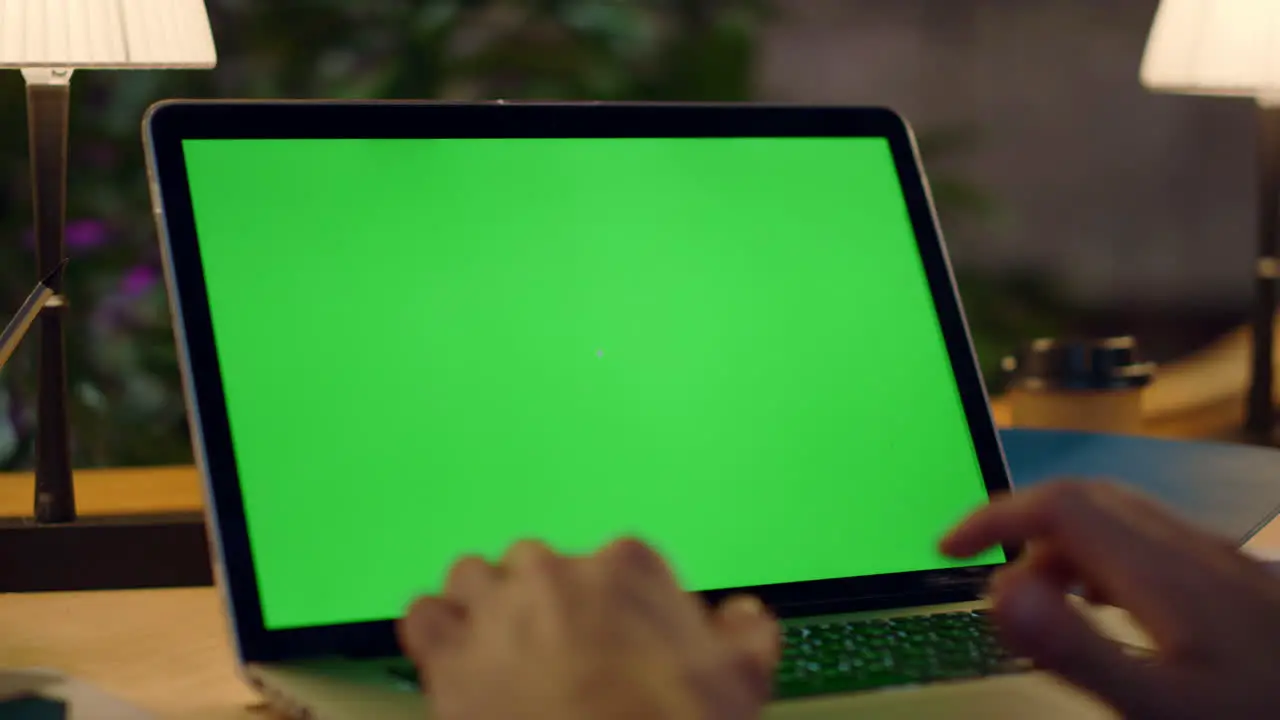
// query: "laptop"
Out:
[412,330]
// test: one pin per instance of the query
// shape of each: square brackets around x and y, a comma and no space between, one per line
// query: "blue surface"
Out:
[1233,490]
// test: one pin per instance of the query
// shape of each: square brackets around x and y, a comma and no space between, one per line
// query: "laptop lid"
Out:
[413,330]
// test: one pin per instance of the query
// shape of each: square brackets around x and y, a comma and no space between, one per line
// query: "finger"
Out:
[753,635]
[636,557]
[1009,520]
[1056,569]
[639,576]
[431,626]
[530,556]
[1012,519]
[1037,621]
[470,579]
[1120,545]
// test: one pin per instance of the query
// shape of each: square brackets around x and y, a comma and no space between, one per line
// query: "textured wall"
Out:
[1129,197]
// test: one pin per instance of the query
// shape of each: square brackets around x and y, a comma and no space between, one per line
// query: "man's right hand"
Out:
[1213,614]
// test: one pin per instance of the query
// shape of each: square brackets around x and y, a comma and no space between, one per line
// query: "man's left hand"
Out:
[541,635]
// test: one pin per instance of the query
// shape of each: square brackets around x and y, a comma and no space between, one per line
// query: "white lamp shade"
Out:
[128,34]
[1215,47]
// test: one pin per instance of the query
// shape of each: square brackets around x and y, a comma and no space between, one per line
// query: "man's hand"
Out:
[1213,614]
[606,636]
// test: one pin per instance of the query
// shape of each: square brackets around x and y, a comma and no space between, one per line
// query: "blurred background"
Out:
[1074,201]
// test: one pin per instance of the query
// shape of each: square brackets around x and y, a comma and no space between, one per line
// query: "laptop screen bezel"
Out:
[168,124]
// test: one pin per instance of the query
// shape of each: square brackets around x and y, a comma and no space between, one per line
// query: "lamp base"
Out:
[1260,411]
[1247,436]
[105,553]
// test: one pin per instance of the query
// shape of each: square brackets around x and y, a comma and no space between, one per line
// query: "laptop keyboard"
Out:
[885,652]
[855,655]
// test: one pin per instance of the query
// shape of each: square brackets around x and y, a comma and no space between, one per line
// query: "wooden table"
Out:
[113,492]
[165,650]
[177,489]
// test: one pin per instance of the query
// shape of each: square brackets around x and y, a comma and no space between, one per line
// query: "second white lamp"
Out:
[1230,47]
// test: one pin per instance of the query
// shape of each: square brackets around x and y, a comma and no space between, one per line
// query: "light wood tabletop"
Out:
[165,650]
[168,651]
[177,489]
[130,491]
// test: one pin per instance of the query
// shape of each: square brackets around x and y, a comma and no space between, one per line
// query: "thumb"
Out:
[751,631]
[1039,622]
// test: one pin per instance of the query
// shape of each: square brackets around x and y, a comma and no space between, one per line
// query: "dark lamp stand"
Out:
[56,550]
[1260,411]
[48,111]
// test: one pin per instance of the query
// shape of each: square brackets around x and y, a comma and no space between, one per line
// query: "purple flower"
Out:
[80,235]
[139,281]
[86,234]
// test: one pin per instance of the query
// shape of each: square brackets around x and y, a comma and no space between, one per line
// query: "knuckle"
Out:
[634,549]
[1067,499]
[415,623]
[419,610]
[532,555]
[633,553]
[464,566]
[467,563]
[426,626]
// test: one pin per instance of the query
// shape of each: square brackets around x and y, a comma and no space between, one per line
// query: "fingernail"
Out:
[746,607]
[430,625]
[756,628]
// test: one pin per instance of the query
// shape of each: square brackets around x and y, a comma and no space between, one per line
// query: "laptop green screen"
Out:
[726,347]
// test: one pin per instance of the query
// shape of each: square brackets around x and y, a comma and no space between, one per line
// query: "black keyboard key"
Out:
[406,673]
[876,653]
[871,654]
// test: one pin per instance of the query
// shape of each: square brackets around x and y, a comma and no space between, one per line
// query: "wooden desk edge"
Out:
[129,491]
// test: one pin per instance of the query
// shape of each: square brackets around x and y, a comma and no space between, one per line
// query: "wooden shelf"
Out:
[133,491]
[1201,397]
[129,491]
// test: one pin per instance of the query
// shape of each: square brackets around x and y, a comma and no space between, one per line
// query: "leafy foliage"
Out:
[128,408]
[1004,311]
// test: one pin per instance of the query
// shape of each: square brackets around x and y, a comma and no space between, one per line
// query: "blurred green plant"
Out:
[1004,310]
[128,407]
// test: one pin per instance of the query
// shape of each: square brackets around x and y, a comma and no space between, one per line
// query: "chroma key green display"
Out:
[434,347]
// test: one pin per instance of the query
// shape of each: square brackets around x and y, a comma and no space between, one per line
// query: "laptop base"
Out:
[351,690]
[354,691]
